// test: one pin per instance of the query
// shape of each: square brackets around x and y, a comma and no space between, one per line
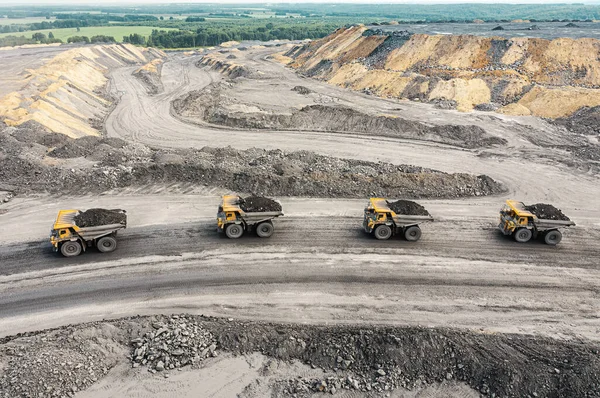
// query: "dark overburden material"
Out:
[253,204]
[408,207]
[97,217]
[547,212]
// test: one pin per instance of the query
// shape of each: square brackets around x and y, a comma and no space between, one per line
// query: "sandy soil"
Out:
[237,376]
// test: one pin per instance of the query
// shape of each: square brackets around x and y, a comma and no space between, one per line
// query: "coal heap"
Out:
[253,204]
[546,212]
[408,207]
[97,217]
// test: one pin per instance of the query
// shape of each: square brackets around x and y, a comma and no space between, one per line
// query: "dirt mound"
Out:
[97,217]
[253,204]
[209,106]
[498,28]
[359,360]
[302,90]
[585,121]
[408,207]
[105,164]
[546,212]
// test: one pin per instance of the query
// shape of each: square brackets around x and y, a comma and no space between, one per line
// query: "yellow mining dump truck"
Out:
[523,225]
[234,221]
[383,222]
[71,240]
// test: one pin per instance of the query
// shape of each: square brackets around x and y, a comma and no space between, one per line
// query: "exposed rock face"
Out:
[548,78]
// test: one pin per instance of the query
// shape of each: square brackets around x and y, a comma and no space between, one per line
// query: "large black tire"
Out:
[412,234]
[523,235]
[553,237]
[234,231]
[106,244]
[70,249]
[383,232]
[265,229]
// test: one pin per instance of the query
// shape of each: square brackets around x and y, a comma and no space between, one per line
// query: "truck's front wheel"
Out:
[412,234]
[106,244]
[553,237]
[70,249]
[234,231]
[383,232]
[523,235]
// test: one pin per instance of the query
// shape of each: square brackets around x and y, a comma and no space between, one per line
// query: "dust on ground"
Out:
[371,361]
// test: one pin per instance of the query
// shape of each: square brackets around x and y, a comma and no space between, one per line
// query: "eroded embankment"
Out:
[212,106]
[65,95]
[519,76]
[360,359]
[34,161]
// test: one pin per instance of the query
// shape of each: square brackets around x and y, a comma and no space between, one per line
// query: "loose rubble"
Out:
[373,360]
[96,217]
[546,212]
[172,344]
[43,162]
[408,207]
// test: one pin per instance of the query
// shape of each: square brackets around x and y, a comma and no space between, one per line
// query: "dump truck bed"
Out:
[403,220]
[260,216]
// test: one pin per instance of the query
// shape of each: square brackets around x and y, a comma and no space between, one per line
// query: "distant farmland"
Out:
[116,31]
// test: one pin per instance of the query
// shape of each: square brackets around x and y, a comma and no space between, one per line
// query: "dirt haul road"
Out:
[318,267]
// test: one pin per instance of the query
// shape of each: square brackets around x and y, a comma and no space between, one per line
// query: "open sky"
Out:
[113,2]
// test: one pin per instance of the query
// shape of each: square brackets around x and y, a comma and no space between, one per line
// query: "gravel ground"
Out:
[364,359]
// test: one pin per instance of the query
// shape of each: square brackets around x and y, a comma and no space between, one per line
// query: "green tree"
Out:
[38,36]
[51,35]
[78,39]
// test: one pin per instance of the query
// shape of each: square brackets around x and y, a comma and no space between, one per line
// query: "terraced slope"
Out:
[64,94]
[519,76]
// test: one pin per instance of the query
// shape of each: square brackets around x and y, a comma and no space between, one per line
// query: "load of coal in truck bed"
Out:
[546,212]
[407,207]
[98,217]
[254,204]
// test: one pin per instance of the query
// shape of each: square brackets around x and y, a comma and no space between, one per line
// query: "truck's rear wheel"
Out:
[265,229]
[553,237]
[234,231]
[523,235]
[412,234]
[106,244]
[70,249]
[383,232]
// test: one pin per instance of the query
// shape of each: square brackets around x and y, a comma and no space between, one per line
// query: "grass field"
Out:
[116,31]
[13,21]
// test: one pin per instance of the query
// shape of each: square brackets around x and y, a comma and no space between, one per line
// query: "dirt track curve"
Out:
[319,266]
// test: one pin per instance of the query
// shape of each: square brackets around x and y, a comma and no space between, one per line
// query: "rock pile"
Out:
[302,90]
[253,204]
[178,342]
[97,217]
[546,212]
[408,207]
